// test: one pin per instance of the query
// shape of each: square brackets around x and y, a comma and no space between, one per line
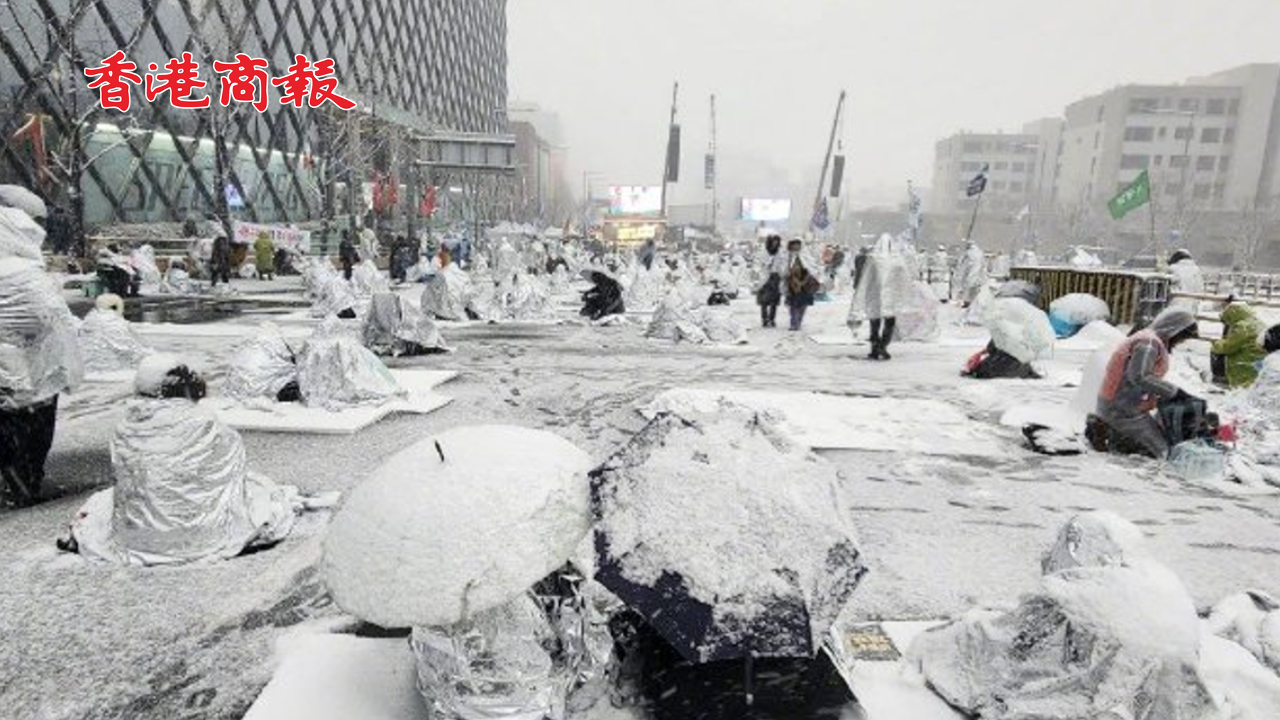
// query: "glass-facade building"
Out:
[429,77]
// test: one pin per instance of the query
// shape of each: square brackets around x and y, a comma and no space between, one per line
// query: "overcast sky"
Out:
[916,71]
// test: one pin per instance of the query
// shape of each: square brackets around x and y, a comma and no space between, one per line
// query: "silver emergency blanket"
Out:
[1110,633]
[534,658]
[448,294]
[336,371]
[334,295]
[395,327]
[182,492]
[643,288]
[20,236]
[108,343]
[261,367]
[674,320]
[523,297]
[720,326]
[143,261]
[39,350]
[367,280]
[177,282]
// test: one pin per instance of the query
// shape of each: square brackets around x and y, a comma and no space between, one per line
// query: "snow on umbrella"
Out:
[1019,328]
[457,524]
[730,540]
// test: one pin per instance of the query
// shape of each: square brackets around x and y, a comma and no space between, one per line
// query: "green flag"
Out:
[1131,198]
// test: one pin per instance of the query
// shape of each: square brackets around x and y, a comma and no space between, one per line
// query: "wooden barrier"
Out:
[1134,298]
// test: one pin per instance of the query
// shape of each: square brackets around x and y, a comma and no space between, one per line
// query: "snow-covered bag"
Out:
[108,342]
[335,371]
[1019,328]
[447,294]
[1080,309]
[395,327]
[261,367]
[39,347]
[1109,633]
[20,236]
[182,492]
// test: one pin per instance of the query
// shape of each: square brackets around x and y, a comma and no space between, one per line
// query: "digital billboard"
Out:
[766,210]
[635,199]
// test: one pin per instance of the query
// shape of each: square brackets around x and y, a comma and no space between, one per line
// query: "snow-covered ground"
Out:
[941,532]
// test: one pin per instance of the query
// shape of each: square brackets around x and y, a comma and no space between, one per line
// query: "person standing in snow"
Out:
[264,256]
[883,285]
[220,262]
[347,255]
[1187,279]
[769,294]
[802,283]
[39,354]
[971,274]
[1134,384]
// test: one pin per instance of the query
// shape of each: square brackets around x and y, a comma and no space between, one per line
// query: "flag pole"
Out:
[974,219]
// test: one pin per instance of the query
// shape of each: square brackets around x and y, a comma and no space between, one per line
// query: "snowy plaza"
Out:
[359,361]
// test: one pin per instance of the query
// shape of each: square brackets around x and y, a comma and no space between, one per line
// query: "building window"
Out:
[1097,139]
[1138,134]
[1101,109]
[1031,168]
[1162,133]
[1157,161]
[1233,107]
[1139,106]
[1173,189]
[1019,167]
[970,167]
[997,185]
[1219,190]
[1211,135]
[1201,191]
[1215,106]
[1224,163]
[1229,135]
[1177,161]
[1183,133]
[1189,105]
[1206,163]
[1134,162]
[1015,187]
[1001,166]
[973,147]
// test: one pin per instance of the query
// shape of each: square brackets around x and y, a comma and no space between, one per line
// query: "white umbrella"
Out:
[437,535]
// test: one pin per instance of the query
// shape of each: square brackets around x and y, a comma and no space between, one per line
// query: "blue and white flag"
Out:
[978,184]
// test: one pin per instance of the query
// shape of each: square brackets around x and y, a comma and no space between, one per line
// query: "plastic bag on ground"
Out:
[39,348]
[108,342]
[336,371]
[182,492]
[261,367]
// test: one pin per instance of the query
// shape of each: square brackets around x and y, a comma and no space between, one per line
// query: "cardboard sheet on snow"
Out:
[110,377]
[215,330]
[344,677]
[832,422]
[296,418]
[870,661]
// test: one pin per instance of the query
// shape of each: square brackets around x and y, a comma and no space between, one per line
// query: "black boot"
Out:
[886,337]
[875,339]
[764,316]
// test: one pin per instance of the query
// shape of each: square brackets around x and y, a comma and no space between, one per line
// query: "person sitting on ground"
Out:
[604,298]
[1134,385]
[108,342]
[1239,345]
[183,492]
[396,328]
[265,367]
[1271,341]
[996,362]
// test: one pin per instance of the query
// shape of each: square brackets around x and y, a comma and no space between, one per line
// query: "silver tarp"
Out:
[674,320]
[447,294]
[39,351]
[20,236]
[261,367]
[108,343]
[1110,633]
[336,371]
[531,659]
[367,280]
[395,327]
[333,295]
[182,492]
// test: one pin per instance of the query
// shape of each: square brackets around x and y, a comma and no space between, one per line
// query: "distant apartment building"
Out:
[1013,166]
[1213,142]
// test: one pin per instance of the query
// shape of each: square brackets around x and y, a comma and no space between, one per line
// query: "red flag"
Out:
[428,205]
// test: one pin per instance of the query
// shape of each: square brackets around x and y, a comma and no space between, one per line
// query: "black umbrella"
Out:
[725,537]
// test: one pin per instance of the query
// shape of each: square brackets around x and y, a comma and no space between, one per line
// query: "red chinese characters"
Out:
[113,80]
[179,79]
[313,83]
[245,81]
